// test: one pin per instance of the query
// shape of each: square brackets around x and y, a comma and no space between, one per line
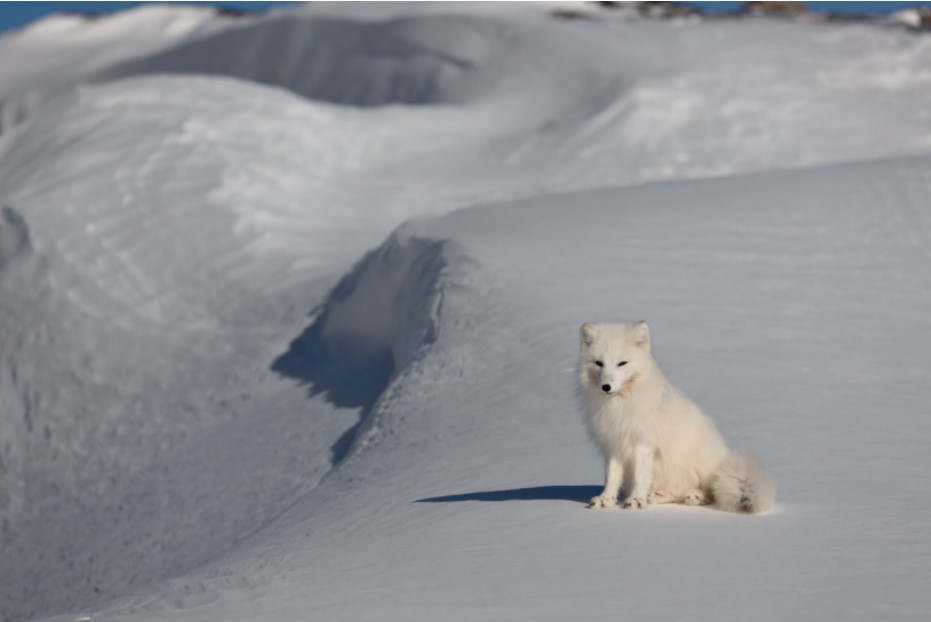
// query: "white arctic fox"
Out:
[648,430]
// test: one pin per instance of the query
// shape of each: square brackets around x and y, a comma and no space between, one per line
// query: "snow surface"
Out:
[218,403]
[55,53]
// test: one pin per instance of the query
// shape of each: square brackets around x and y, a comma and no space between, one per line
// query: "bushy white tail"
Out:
[741,484]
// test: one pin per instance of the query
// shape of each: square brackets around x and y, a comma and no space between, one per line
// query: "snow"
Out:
[298,338]
[59,51]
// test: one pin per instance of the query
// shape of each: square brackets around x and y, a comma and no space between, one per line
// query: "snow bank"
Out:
[762,306]
[60,51]
[125,323]
[371,327]
[409,60]
[173,243]
[165,238]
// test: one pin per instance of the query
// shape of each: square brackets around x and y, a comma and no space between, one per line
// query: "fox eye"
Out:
[622,363]
[599,364]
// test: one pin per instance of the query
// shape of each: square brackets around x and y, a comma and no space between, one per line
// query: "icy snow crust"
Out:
[218,403]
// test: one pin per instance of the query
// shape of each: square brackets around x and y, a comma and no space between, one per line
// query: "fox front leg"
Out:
[614,475]
[642,478]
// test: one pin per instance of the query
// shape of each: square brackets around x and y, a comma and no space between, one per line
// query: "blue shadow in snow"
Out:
[579,494]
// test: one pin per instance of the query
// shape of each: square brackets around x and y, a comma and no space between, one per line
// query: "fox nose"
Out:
[606,388]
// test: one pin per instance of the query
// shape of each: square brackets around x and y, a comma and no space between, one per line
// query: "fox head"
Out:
[613,356]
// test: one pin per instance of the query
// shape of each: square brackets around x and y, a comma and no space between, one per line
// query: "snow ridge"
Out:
[410,60]
[372,326]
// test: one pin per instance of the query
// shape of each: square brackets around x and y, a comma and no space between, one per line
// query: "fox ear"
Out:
[588,333]
[642,334]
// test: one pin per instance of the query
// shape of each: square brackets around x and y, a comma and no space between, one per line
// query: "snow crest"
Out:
[371,327]
[411,60]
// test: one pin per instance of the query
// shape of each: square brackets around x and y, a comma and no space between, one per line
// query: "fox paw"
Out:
[602,501]
[695,497]
[634,503]
[659,496]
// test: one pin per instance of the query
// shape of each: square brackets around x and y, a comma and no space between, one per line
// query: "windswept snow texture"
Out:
[219,403]
[375,322]
[465,496]
[339,60]
[57,52]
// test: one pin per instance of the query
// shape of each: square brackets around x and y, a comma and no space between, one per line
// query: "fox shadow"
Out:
[578,494]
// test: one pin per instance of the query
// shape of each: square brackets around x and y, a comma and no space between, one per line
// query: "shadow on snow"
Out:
[579,494]
[370,327]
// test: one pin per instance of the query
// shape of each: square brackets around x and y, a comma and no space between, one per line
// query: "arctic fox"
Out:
[650,431]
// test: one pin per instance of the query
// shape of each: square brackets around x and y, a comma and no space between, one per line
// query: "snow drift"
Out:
[410,60]
[152,272]
[371,327]
[179,436]
[56,53]
[477,449]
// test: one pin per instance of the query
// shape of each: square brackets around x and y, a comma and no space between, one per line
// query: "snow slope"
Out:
[59,51]
[194,375]
[621,101]
[791,305]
